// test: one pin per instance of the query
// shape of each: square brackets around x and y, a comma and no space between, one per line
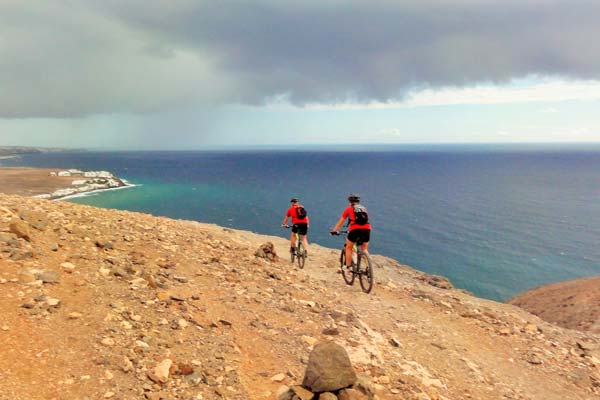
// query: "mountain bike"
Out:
[361,265]
[300,253]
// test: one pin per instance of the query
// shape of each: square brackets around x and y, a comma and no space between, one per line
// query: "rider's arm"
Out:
[339,224]
[285,219]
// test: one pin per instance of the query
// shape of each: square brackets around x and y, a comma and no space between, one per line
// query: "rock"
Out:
[67,267]
[352,394]
[364,385]
[534,359]
[28,275]
[108,342]
[35,219]
[332,331]
[278,378]
[49,277]
[105,244]
[299,393]
[531,328]
[9,238]
[52,302]
[328,369]
[138,283]
[20,229]
[284,393]
[156,396]
[185,369]
[267,251]
[126,364]
[160,373]
[327,396]
[436,280]
[182,323]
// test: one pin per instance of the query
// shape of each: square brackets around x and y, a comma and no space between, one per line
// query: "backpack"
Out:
[361,216]
[300,212]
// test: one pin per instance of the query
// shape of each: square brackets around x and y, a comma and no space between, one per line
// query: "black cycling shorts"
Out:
[300,229]
[359,236]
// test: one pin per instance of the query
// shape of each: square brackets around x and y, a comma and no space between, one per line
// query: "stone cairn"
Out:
[329,376]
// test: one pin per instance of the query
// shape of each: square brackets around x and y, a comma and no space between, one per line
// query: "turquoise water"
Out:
[495,220]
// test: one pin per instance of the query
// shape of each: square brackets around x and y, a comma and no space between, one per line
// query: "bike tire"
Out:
[365,271]
[293,256]
[347,273]
[301,255]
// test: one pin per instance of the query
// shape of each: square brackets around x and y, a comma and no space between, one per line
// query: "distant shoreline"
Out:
[127,185]
[57,184]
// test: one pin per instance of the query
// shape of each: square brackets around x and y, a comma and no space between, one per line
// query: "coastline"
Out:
[127,185]
[57,184]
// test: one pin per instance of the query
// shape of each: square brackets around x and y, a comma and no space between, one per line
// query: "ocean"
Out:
[496,220]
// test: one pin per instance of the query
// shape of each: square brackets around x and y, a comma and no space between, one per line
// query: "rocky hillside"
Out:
[104,304]
[572,304]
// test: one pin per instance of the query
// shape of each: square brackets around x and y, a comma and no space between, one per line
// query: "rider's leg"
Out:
[293,242]
[365,247]
[304,242]
[349,250]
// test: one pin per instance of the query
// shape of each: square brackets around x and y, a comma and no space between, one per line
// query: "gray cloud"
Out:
[75,58]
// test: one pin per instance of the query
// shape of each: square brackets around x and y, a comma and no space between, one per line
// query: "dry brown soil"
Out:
[573,304]
[143,289]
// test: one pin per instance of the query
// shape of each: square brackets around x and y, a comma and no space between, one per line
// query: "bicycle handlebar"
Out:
[338,233]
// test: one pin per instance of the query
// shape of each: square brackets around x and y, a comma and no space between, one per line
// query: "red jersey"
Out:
[349,213]
[291,212]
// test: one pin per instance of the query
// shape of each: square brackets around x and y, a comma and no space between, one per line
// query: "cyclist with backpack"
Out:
[299,217]
[360,228]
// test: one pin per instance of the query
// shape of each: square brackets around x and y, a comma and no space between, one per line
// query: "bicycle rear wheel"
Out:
[347,272]
[301,255]
[365,270]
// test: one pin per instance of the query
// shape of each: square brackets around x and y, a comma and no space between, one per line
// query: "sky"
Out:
[190,74]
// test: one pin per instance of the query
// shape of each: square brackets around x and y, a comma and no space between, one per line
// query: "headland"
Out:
[574,304]
[54,184]
[100,303]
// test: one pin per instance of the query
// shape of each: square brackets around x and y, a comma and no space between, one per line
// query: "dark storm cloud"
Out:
[77,58]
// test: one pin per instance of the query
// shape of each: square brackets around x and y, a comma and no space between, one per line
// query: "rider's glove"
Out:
[333,233]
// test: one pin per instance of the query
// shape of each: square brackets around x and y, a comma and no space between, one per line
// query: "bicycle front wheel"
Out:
[301,255]
[347,272]
[365,269]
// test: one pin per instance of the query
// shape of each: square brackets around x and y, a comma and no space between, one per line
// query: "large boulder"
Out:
[329,369]
[267,251]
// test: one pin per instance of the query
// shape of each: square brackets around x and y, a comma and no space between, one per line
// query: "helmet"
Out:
[354,198]
[294,200]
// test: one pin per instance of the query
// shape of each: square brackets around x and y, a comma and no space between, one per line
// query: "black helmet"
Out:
[354,198]
[294,200]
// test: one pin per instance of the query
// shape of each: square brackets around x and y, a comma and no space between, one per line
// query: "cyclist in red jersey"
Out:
[357,231]
[299,224]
